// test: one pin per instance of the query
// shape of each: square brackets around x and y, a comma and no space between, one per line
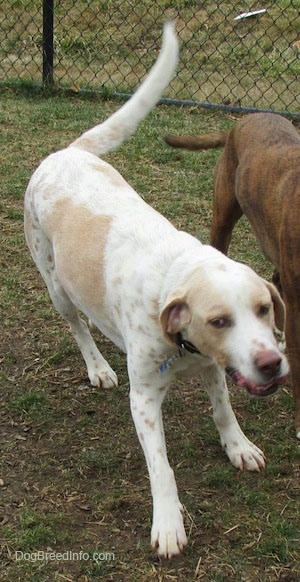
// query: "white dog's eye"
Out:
[263,310]
[220,322]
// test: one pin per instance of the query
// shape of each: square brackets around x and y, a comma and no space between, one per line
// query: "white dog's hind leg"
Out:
[99,371]
[243,454]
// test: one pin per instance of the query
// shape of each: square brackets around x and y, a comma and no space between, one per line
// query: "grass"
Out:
[72,474]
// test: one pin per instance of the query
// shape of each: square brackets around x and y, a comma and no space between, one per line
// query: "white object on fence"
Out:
[253,13]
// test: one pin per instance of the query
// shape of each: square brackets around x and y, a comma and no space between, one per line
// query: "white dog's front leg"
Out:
[242,453]
[167,534]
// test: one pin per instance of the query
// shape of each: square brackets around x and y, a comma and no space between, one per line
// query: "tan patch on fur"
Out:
[150,423]
[113,175]
[79,239]
[47,192]
[101,166]
[198,304]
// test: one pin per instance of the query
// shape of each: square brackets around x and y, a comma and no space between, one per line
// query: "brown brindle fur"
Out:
[258,174]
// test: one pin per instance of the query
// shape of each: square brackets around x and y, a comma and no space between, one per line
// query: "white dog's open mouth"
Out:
[255,389]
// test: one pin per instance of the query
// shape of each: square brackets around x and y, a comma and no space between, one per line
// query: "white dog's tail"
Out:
[122,124]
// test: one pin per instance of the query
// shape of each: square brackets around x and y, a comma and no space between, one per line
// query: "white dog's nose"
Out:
[268,362]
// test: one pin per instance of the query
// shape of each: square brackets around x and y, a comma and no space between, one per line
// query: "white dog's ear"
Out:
[174,316]
[279,307]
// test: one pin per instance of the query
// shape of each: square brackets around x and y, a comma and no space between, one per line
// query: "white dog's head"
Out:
[229,314]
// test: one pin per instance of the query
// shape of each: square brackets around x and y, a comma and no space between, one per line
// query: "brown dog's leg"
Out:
[292,334]
[290,280]
[226,209]
[291,297]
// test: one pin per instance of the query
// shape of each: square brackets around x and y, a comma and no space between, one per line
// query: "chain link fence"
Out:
[229,58]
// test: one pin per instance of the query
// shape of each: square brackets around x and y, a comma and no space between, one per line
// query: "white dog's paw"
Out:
[168,534]
[244,455]
[103,377]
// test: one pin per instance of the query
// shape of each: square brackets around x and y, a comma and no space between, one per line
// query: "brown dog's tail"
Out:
[209,141]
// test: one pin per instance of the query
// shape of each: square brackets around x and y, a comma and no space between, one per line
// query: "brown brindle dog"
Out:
[258,174]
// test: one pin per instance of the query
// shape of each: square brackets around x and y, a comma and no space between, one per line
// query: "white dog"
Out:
[176,307]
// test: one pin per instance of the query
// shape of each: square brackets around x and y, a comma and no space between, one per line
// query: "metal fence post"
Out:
[48,42]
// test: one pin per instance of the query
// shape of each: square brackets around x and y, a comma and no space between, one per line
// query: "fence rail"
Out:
[232,54]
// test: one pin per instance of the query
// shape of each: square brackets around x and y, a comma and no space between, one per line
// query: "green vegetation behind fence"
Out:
[248,62]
